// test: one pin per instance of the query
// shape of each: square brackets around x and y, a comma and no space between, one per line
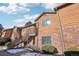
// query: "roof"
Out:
[30,25]
[19,27]
[8,29]
[45,13]
[64,5]
[58,7]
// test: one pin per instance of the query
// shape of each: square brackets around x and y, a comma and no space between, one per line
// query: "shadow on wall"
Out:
[29,40]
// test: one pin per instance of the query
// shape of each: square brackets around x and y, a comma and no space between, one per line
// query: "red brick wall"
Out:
[8,33]
[19,31]
[48,30]
[69,17]
[70,21]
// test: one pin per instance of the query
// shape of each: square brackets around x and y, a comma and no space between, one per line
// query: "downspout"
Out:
[61,30]
[37,32]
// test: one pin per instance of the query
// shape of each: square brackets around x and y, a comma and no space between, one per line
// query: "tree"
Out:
[1,27]
[28,23]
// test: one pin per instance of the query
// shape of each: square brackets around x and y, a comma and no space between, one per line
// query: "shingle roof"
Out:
[19,27]
[63,5]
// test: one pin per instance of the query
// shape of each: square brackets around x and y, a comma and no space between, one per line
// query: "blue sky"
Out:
[17,14]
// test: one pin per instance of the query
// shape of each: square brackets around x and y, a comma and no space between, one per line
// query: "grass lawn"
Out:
[3,47]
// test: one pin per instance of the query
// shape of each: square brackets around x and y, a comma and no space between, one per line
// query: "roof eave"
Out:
[63,5]
[45,13]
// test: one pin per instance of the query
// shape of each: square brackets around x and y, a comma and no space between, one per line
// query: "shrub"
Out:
[48,49]
[35,48]
[7,43]
[29,49]
[72,51]
[4,41]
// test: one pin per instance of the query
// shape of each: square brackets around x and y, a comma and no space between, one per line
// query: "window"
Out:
[47,21]
[46,40]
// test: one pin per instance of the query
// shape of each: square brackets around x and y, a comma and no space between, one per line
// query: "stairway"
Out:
[25,41]
[26,35]
[17,42]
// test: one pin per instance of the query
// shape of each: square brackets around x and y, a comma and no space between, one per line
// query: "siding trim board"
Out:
[43,14]
[64,5]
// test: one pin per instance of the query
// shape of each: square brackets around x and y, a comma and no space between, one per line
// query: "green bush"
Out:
[35,48]
[4,41]
[7,43]
[72,49]
[29,49]
[48,49]
[72,52]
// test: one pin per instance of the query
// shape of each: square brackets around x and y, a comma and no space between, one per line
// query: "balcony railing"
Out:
[32,31]
[25,34]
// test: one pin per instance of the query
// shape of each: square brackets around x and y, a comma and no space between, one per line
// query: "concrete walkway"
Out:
[20,52]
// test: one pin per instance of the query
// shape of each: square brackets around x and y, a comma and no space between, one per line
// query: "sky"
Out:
[17,14]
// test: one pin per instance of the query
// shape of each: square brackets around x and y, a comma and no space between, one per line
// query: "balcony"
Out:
[31,31]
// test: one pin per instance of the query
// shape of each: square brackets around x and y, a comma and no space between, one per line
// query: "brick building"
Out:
[47,28]
[7,33]
[16,34]
[28,34]
[60,28]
